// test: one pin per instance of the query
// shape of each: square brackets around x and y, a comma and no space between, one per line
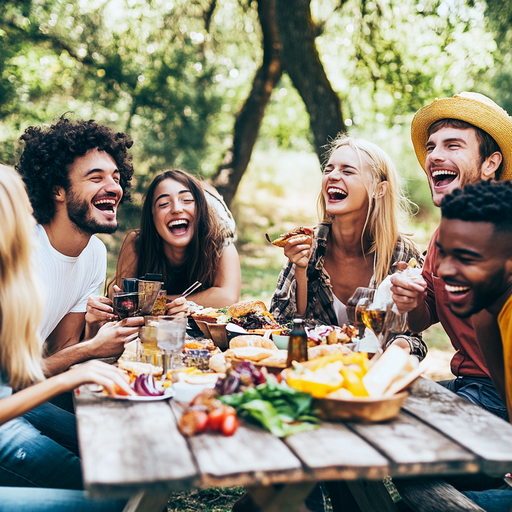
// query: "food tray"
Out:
[360,409]
[216,332]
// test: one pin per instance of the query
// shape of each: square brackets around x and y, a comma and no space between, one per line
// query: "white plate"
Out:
[168,393]
[137,398]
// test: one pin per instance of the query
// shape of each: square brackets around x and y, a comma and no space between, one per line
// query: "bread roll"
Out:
[252,341]
[246,306]
[140,368]
[277,359]
[249,353]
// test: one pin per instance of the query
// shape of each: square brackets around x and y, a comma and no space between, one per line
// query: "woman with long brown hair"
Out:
[182,238]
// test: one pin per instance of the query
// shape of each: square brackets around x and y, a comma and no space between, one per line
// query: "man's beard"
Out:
[78,213]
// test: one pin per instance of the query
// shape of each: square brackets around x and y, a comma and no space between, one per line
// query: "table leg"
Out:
[281,497]
[145,502]
[371,496]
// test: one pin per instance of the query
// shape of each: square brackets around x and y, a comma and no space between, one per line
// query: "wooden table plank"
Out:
[333,452]
[416,449]
[479,431]
[251,456]
[128,447]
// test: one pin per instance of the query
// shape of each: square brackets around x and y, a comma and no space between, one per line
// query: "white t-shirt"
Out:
[341,311]
[68,281]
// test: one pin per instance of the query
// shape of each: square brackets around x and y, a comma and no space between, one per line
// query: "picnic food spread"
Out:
[251,380]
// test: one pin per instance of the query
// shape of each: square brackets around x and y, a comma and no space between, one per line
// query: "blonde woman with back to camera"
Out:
[29,459]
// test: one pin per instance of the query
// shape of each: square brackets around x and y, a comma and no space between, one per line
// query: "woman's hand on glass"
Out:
[113,380]
[178,305]
[298,252]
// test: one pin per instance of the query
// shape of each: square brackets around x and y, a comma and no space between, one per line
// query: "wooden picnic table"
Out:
[134,449]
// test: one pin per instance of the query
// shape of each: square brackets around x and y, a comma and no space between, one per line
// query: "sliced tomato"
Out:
[229,425]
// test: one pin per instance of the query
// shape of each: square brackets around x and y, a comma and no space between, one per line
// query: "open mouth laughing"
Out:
[179,227]
[336,194]
[457,294]
[106,205]
[443,177]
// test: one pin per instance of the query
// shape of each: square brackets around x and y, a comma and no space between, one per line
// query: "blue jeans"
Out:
[30,458]
[494,500]
[479,391]
[29,499]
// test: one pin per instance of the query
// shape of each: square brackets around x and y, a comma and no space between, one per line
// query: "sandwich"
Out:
[251,315]
[305,233]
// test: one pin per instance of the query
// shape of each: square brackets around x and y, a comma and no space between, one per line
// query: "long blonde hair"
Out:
[387,214]
[21,305]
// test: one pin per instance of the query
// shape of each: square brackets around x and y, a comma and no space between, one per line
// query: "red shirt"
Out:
[468,361]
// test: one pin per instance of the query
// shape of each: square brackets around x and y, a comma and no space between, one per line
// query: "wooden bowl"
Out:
[360,409]
[216,332]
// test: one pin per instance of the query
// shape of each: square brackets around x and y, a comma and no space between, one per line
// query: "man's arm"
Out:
[109,341]
[489,339]
[66,334]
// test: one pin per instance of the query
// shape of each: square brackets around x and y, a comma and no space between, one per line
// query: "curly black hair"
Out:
[485,201]
[44,163]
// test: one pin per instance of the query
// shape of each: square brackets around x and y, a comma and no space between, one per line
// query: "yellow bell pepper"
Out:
[353,382]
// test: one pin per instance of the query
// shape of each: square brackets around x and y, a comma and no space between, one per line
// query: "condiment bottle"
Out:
[298,343]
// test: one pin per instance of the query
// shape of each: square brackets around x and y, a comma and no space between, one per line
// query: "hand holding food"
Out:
[114,381]
[177,306]
[408,286]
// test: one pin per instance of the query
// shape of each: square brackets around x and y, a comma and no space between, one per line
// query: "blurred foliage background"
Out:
[177,74]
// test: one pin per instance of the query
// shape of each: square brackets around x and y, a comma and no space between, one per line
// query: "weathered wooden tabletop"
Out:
[135,447]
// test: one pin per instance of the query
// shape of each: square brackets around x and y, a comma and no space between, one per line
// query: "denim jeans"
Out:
[29,458]
[29,499]
[479,391]
[494,500]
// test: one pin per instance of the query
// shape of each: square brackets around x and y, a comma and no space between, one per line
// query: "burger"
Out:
[251,315]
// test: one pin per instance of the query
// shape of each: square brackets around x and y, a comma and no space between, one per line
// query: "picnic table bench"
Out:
[135,450]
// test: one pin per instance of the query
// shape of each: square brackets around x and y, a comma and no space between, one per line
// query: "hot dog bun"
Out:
[301,232]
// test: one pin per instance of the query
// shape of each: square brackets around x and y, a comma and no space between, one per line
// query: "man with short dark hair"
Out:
[475,265]
[76,174]
[458,141]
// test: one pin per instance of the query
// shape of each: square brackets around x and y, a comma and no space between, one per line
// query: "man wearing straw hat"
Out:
[458,141]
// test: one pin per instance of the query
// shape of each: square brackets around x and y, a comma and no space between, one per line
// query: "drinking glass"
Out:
[126,304]
[356,320]
[150,351]
[381,320]
[170,336]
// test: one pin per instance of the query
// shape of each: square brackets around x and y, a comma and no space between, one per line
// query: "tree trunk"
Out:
[248,120]
[301,61]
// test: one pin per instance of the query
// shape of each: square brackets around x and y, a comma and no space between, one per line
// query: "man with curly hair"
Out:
[76,173]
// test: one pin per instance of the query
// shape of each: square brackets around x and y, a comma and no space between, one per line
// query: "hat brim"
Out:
[497,123]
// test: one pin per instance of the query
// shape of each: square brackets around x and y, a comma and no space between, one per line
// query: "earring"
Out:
[373,195]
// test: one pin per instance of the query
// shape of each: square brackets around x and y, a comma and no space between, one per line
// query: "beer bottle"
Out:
[298,343]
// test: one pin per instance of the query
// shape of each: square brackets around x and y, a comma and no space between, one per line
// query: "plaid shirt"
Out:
[320,309]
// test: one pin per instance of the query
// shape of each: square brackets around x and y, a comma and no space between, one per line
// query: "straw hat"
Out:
[474,108]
